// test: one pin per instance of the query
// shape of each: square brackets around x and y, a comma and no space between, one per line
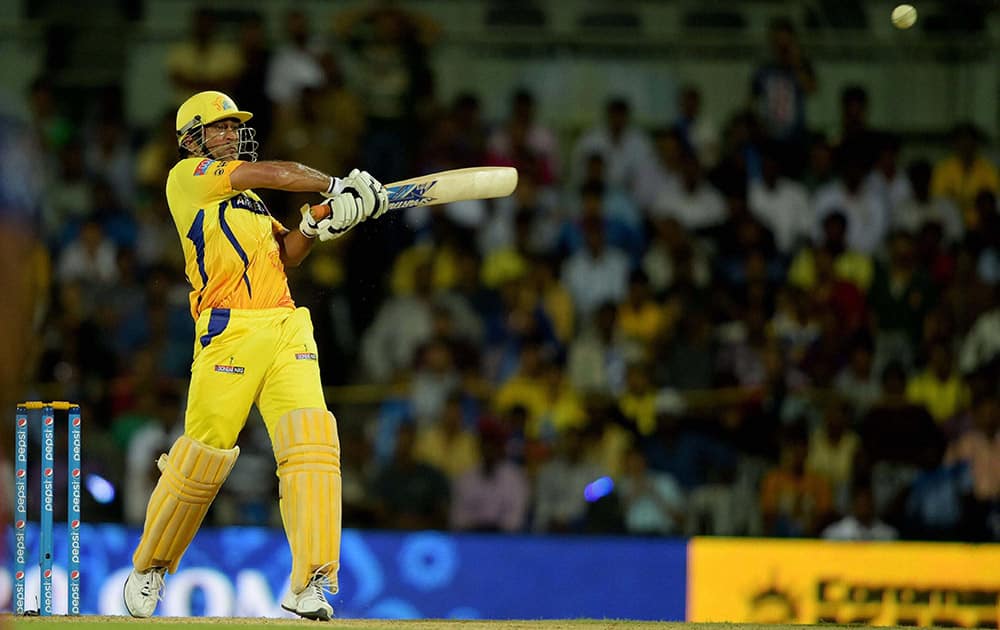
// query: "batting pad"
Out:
[307,450]
[191,475]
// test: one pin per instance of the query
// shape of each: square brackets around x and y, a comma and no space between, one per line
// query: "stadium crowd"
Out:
[685,327]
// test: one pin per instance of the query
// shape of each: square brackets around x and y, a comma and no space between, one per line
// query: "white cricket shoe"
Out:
[310,603]
[142,591]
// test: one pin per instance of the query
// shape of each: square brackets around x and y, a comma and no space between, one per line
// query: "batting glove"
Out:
[375,199]
[337,216]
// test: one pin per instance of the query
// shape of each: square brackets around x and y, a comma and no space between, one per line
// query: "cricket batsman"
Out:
[252,346]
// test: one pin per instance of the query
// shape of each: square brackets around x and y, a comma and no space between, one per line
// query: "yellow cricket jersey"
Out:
[230,251]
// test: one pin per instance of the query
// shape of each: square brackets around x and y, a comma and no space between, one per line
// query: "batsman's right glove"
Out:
[332,218]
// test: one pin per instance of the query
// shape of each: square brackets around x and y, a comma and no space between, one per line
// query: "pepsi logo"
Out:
[74,524]
[22,422]
[21,473]
[76,422]
[48,573]
[74,575]
[48,472]
[76,472]
[19,575]
[19,524]
[49,420]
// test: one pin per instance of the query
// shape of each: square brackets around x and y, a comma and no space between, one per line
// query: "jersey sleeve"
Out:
[277,227]
[205,180]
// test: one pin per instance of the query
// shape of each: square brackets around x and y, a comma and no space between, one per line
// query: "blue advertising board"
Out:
[244,572]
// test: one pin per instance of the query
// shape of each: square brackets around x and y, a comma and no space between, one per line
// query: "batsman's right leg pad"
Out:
[307,450]
[191,475]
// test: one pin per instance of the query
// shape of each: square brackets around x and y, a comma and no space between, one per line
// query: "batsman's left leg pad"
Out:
[191,475]
[307,450]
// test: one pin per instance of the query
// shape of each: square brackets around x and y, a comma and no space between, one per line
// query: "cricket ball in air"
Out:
[904,16]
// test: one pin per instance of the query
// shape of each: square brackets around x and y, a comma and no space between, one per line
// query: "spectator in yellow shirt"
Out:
[833,448]
[442,258]
[510,263]
[553,297]
[939,387]
[638,402]
[448,445]
[849,265]
[203,62]
[540,387]
[794,501]
[965,173]
[641,319]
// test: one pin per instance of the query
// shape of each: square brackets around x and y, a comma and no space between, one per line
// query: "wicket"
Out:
[73,497]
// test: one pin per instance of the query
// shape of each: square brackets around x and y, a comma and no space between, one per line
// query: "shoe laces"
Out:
[153,584]
[320,582]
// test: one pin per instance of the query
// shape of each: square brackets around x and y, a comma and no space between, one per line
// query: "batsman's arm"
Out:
[293,245]
[287,176]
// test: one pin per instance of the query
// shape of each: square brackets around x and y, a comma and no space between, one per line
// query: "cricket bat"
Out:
[460,184]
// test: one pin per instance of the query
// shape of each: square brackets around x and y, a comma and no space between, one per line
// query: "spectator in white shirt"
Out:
[653,500]
[674,258]
[596,273]
[618,204]
[153,437]
[887,181]
[862,523]
[109,156]
[867,214]
[920,207]
[663,171]
[596,360]
[91,258]
[696,204]
[700,134]
[560,505]
[296,64]
[981,346]
[858,382]
[626,148]
[782,204]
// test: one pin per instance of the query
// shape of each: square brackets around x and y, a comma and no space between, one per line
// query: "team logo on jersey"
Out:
[230,369]
[202,167]
[305,356]
[222,104]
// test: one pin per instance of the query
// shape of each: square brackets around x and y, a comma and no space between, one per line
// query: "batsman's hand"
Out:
[374,198]
[332,218]
[309,225]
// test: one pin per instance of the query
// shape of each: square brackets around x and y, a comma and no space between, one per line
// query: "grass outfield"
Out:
[196,623]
